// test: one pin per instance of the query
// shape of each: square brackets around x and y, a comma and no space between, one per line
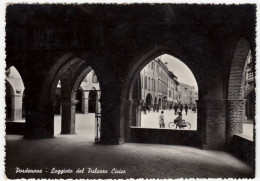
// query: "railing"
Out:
[97,127]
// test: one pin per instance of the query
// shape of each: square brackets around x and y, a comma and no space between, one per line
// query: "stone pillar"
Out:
[17,102]
[136,113]
[39,117]
[68,116]
[126,116]
[138,109]
[212,123]
[236,117]
[85,100]
[83,105]
[98,106]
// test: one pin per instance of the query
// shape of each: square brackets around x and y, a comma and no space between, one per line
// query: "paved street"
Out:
[139,160]
[151,120]
[85,126]
[85,123]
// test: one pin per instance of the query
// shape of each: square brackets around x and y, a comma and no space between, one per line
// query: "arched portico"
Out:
[14,94]
[236,101]
[162,102]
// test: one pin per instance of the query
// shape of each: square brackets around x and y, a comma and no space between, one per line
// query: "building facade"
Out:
[187,94]
[161,89]
[14,95]
[249,89]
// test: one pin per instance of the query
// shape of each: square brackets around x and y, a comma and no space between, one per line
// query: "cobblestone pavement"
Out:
[138,160]
[85,126]
[151,119]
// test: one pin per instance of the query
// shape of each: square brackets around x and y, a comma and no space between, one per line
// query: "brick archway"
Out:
[15,87]
[236,101]
[128,103]
[235,86]
[75,69]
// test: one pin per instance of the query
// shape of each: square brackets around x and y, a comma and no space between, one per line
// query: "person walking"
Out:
[175,109]
[144,108]
[181,108]
[161,120]
[149,108]
[186,108]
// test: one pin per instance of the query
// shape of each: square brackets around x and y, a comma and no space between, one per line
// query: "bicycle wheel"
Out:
[171,124]
[188,125]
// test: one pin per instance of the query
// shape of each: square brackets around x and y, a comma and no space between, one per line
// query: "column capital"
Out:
[17,95]
[70,102]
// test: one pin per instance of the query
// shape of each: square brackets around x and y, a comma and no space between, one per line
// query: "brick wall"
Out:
[235,102]
[215,123]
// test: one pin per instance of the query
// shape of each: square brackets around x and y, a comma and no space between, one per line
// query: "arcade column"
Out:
[68,116]
[85,102]
[126,110]
[212,123]
[16,113]
[236,117]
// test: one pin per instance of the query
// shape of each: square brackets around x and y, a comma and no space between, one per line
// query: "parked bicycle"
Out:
[182,126]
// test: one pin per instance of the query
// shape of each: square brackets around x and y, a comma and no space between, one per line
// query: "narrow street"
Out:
[151,119]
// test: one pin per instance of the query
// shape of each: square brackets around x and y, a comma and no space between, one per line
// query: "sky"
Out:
[180,70]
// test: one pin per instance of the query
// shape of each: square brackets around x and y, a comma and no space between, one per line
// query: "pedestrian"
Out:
[149,108]
[144,108]
[161,120]
[175,109]
[181,108]
[186,108]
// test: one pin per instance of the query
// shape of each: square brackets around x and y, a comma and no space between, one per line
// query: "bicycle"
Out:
[184,125]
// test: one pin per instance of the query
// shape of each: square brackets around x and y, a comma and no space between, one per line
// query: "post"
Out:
[68,116]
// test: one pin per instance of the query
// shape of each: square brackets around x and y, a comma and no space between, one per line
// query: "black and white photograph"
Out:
[121,91]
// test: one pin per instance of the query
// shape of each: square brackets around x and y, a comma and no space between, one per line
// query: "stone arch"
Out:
[9,100]
[14,94]
[236,101]
[54,75]
[67,67]
[141,61]
[235,85]
[78,78]
[10,87]
[133,71]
